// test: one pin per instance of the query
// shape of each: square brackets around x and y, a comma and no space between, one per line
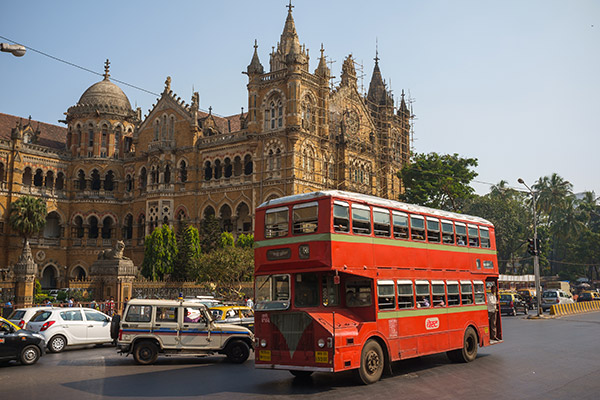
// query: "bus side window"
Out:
[473,236]
[385,295]
[447,232]
[305,218]
[381,222]
[479,292]
[439,293]
[400,222]
[466,291]
[433,230]
[461,234]
[361,219]
[341,217]
[417,227]
[405,294]
[453,295]
[423,295]
[485,237]
[358,293]
[276,222]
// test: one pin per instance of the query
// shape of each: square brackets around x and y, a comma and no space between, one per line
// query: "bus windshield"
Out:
[272,292]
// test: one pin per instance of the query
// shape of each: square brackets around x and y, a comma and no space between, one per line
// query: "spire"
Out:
[322,69]
[289,37]
[106,69]
[348,72]
[255,66]
[377,91]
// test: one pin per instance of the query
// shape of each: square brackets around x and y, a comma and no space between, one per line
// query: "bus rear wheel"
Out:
[371,363]
[469,350]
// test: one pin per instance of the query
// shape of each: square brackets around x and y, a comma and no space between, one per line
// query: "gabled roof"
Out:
[51,136]
[224,123]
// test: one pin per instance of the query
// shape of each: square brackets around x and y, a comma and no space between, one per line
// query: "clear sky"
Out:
[513,83]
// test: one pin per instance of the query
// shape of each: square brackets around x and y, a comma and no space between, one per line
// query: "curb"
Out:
[575,308]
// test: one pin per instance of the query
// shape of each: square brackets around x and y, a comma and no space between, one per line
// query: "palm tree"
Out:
[27,216]
[552,192]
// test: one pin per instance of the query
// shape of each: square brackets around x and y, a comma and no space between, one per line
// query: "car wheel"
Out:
[30,355]
[237,351]
[301,374]
[469,350]
[145,353]
[371,363]
[57,344]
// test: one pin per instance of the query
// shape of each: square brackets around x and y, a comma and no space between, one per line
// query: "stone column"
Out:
[25,270]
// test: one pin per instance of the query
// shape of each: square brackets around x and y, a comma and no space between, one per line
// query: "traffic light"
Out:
[531,246]
[538,246]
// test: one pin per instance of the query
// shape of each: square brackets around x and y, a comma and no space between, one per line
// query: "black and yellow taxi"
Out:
[237,315]
[19,344]
[511,303]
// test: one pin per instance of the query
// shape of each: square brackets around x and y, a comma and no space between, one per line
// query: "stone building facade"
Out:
[112,174]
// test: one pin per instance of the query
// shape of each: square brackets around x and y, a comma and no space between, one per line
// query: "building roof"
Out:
[52,136]
[225,123]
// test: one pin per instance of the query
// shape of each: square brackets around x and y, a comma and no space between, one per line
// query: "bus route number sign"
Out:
[432,323]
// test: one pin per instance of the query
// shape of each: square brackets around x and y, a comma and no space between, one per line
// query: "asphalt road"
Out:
[539,359]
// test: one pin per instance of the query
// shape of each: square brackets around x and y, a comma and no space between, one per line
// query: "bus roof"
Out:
[340,194]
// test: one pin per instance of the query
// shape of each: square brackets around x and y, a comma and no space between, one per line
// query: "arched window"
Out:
[49,180]
[244,221]
[38,178]
[2,179]
[128,183]
[52,227]
[154,175]
[118,135]
[237,166]
[274,115]
[309,118]
[225,215]
[90,135]
[248,166]
[128,227]
[156,129]
[182,171]
[78,273]
[143,178]
[96,180]
[218,169]
[78,229]
[228,168]
[49,275]
[27,178]
[167,174]
[208,171]
[164,128]
[271,160]
[93,232]
[109,181]
[107,227]
[60,181]
[141,226]
[209,212]
[104,135]
[172,127]
[79,135]
[81,180]
[278,159]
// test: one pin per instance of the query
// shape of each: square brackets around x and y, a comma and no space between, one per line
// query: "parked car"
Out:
[21,316]
[172,327]
[62,327]
[512,303]
[588,296]
[19,344]
[552,297]
[238,315]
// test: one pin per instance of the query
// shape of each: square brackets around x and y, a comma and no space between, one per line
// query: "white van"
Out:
[553,297]
[174,327]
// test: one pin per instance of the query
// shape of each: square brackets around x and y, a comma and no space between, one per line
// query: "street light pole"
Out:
[536,258]
[15,49]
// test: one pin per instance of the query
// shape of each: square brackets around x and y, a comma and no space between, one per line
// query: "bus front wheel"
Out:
[469,350]
[371,363]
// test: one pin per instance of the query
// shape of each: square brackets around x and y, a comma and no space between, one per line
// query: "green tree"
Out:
[438,181]
[210,234]
[227,268]
[160,253]
[27,216]
[188,245]
[226,240]
[245,241]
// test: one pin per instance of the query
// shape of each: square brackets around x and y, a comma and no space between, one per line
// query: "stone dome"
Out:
[105,93]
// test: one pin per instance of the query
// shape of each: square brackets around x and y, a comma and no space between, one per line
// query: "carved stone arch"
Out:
[225,215]
[183,166]
[273,194]
[182,208]
[208,209]
[109,223]
[271,94]
[78,272]
[272,144]
[49,275]
[93,222]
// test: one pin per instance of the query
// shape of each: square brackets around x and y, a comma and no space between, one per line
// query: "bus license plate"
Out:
[264,355]
[321,357]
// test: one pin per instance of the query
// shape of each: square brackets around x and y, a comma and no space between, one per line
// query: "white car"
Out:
[21,316]
[552,297]
[63,327]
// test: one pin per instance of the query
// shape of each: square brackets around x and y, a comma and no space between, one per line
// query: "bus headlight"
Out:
[263,343]
[321,343]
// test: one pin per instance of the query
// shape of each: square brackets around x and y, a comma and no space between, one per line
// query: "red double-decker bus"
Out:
[348,281]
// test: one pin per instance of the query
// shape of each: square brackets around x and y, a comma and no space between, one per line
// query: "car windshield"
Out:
[273,292]
[550,294]
[17,314]
[505,297]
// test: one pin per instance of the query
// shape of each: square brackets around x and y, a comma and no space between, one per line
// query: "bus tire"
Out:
[469,350]
[301,374]
[372,362]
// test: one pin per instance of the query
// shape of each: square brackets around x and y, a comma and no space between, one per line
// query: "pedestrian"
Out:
[249,302]
[70,302]
[110,306]
[492,310]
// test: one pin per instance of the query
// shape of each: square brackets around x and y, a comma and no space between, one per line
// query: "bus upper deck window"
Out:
[361,219]
[485,237]
[381,222]
[341,217]
[473,236]
[400,222]
[405,294]
[461,234]
[447,232]
[433,230]
[305,218]
[385,295]
[417,227]
[276,222]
